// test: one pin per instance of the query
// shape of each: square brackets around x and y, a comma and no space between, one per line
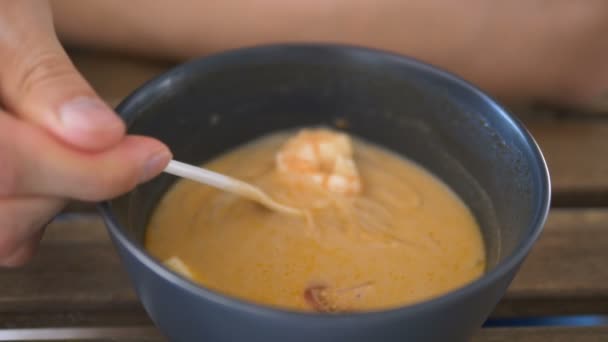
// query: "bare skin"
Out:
[551,51]
[59,141]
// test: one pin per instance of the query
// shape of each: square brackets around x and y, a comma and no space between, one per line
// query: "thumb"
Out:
[40,84]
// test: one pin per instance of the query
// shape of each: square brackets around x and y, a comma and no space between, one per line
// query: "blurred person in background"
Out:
[59,141]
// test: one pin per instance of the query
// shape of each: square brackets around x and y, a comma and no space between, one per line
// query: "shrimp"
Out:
[322,157]
[322,298]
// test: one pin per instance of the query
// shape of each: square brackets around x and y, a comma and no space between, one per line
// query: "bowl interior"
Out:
[209,106]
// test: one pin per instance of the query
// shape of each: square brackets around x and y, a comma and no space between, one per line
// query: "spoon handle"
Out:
[226,183]
[201,175]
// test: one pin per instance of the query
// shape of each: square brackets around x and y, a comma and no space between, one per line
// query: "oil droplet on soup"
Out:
[383,232]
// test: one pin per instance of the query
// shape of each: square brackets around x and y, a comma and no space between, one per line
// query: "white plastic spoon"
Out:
[228,184]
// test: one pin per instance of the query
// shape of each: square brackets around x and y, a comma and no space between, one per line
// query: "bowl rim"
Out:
[155,86]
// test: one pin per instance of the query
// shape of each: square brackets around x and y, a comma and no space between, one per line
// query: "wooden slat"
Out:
[111,333]
[77,270]
[566,271]
[576,152]
[150,334]
[583,334]
[70,317]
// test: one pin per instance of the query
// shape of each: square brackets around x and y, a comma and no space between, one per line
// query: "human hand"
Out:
[58,140]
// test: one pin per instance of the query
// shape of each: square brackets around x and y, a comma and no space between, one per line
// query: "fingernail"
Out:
[86,114]
[155,165]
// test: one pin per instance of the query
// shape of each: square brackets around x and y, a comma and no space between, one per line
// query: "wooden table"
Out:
[76,287]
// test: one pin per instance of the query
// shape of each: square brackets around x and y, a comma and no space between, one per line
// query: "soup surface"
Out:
[380,231]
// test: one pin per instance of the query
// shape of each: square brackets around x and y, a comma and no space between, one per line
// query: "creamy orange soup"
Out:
[402,237]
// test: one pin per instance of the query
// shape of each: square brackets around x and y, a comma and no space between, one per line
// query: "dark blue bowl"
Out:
[210,105]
